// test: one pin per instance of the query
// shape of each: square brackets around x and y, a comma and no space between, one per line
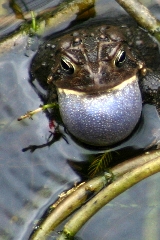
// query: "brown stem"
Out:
[142,16]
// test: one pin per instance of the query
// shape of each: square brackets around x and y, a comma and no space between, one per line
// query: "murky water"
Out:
[31,181]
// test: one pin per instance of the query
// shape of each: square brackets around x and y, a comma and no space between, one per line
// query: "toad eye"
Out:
[67,66]
[120,59]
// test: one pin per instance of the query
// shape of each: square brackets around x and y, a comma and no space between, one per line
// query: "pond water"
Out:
[31,181]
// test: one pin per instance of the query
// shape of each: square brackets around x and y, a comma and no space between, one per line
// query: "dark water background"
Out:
[30,182]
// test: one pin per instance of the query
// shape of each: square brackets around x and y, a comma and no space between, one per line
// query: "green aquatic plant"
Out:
[22,15]
[35,25]
[100,163]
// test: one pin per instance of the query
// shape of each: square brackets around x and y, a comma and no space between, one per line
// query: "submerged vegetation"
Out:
[100,163]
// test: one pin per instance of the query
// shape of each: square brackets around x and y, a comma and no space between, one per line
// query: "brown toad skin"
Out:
[95,61]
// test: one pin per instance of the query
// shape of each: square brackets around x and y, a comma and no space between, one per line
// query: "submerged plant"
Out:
[100,163]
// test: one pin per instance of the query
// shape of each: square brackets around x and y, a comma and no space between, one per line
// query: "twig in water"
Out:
[29,114]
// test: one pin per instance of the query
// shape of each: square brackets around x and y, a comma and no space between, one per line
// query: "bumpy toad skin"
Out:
[101,76]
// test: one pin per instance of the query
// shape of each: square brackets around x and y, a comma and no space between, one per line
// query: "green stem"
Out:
[106,195]
[34,23]
[68,205]
[74,199]
[29,114]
